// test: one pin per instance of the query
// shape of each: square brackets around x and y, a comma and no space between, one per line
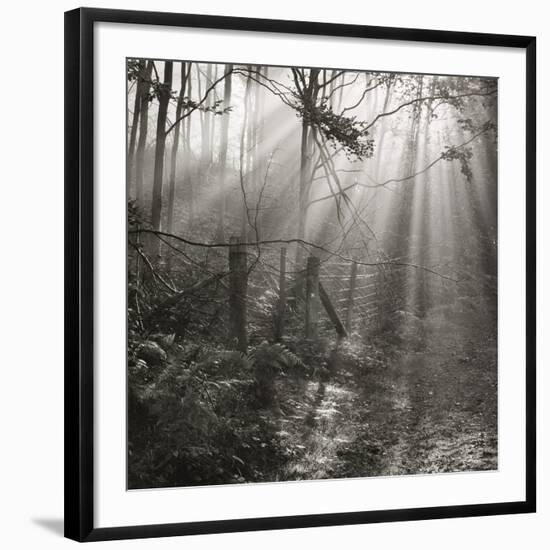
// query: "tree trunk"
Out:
[257,160]
[244,158]
[302,191]
[261,152]
[135,120]
[213,116]
[205,127]
[143,129]
[224,138]
[309,99]
[164,98]
[189,161]
[201,160]
[208,116]
[173,158]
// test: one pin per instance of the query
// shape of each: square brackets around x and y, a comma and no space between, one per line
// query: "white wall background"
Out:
[31,274]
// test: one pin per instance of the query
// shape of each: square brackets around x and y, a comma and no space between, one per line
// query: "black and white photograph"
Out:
[312,273]
[274,275]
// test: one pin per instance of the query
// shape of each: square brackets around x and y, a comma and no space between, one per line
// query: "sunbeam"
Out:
[312,268]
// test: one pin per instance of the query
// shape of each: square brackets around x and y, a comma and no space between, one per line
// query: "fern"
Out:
[274,356]
[225,362]
[269,360]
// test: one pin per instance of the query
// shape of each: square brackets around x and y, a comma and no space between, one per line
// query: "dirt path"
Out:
[423,413]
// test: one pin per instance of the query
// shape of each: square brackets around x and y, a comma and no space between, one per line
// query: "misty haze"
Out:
[312,273]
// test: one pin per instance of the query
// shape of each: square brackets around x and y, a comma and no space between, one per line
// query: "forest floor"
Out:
[421,412]
[397,403]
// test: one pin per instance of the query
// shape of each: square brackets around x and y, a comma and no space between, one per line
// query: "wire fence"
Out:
[270,294]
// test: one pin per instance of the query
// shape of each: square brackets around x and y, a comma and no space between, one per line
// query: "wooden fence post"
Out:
[238,283]
[312,296]
[331,312]
[281,304]
[350,297]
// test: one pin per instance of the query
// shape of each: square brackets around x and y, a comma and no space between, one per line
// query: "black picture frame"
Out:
[79,269]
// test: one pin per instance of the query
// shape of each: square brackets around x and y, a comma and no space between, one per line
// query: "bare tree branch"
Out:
[301,242]
[198,105]
[427,98]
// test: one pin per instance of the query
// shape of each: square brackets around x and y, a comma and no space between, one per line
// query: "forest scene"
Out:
[311,271]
